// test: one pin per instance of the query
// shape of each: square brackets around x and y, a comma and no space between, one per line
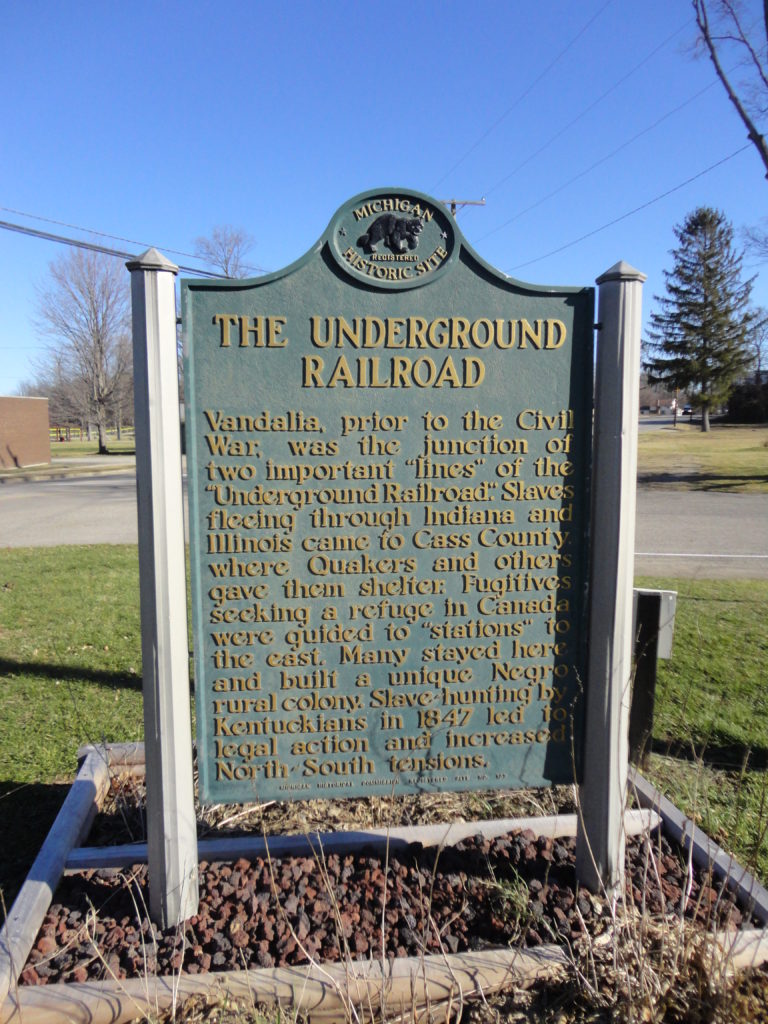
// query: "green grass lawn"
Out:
[724,459]
[70,655]
[728,458]
[70,673]
[70,666]
[78,449]
[711,723]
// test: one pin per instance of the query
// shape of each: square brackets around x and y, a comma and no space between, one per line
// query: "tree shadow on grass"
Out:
[27,811]
[703,481]
[73,673]
[718,751]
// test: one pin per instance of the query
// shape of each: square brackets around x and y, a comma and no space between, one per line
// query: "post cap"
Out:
[152,260]
[622,271]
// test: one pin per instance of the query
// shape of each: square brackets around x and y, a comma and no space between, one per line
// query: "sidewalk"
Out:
[57,469]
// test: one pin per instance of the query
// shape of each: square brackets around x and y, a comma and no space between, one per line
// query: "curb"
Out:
[63,472]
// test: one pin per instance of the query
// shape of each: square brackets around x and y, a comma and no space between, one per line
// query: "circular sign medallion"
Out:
[393,239]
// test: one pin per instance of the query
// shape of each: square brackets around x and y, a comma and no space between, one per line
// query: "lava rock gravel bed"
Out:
[514,890]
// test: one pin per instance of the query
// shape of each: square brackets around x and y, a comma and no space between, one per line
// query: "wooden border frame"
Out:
[409,986]
[704,851]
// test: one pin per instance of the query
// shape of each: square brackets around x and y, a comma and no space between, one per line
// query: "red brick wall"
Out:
[24,438]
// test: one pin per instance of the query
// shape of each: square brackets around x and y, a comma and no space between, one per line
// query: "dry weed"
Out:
[643,969]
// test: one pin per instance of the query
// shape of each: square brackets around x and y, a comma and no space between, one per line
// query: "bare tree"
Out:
[121,403]
[225,249]
[727,33]
[67,396]
[758,343]
[756,239]
[84,309]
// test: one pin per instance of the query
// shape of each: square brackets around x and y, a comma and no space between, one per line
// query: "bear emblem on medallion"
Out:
[397,233]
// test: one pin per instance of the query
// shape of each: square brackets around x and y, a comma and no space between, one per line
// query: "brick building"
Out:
[24,432]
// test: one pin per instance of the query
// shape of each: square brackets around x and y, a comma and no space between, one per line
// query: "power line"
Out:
[602,160]
[637,209]
[521,97]
[117,238]
[586,110]
[91,231]
[93,247]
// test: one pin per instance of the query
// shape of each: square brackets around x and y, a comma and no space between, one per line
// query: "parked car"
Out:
[687,410]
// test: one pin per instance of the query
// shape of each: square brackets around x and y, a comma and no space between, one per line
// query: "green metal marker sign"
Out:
[388,460]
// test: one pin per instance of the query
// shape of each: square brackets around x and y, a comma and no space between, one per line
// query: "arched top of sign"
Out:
[393,238]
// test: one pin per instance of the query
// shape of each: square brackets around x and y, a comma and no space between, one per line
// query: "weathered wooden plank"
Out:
[119,755]
[738,951]
[29,909]
[705,851]
[321,992]
[347,842]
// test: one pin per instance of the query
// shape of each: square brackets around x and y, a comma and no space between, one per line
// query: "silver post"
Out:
[600,839]
[171,830]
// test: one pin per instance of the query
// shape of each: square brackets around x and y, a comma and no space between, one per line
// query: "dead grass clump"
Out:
[303,816]
[221,1008]
[645,967]
[661,979]
[122,816]
[610,981]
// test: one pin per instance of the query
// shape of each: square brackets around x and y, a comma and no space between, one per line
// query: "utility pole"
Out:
[457,203]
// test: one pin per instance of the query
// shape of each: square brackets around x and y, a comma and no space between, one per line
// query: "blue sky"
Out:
[157,121]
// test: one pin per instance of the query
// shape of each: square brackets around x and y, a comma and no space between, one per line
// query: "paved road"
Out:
[701,533]
[74,510]
[679,533]
[656,422]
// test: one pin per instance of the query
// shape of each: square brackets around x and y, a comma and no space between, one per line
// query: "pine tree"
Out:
[698,337]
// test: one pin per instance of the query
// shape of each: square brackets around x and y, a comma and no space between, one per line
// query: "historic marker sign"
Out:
[389,456]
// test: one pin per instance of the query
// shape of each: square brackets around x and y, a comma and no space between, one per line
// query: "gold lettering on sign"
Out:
[391,595]
[254,331]
[367,332]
